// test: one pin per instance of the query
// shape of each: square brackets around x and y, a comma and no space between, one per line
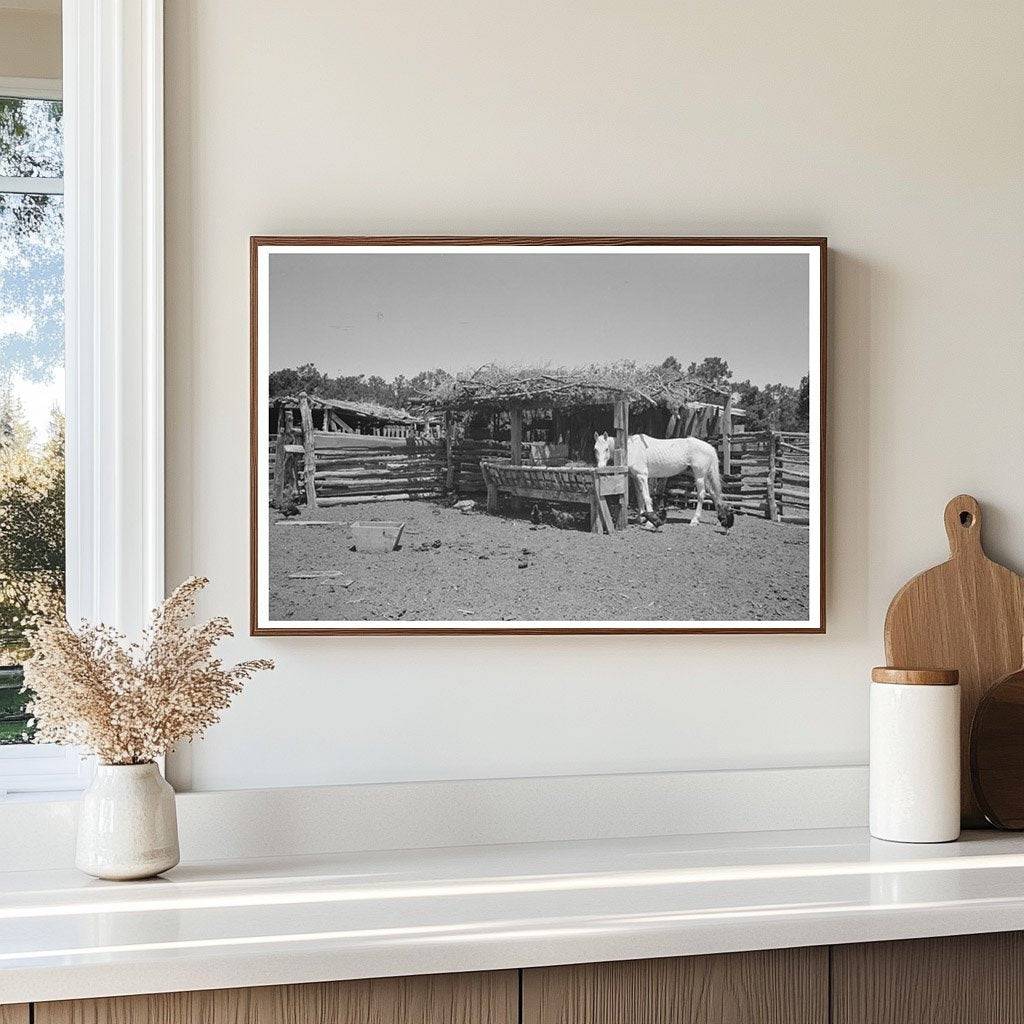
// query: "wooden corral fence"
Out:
[328,468]
[350,468]
[766,473]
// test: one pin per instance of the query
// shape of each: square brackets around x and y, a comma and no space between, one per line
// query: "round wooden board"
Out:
[997,753]
[968,614]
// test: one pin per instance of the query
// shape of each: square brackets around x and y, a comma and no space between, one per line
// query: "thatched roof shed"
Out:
[546,387]
[352,410]
[347,417]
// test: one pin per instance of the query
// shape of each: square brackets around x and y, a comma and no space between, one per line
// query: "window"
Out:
[92,171]
[32,514]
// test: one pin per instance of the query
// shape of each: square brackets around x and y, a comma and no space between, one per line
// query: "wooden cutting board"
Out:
[967,614]
[997,752]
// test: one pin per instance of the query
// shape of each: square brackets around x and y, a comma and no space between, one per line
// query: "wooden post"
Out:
[279,459]
[621,456]
[515,420]
[309,446]
[773,511]
[449,448]
[492,490]
[727,434]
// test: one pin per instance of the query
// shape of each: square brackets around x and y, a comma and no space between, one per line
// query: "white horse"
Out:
[648,457]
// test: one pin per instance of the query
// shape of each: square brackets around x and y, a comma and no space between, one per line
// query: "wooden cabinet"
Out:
[778,986]
[491,998]
[963,979]
[971,979]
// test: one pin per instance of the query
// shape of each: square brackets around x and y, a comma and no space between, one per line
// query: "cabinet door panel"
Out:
[961,979]
[779,986]
[482,998]
[14,1013]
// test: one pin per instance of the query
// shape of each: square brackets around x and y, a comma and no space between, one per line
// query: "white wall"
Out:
[895,129]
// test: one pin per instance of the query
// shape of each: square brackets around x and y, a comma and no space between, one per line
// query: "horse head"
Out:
[603,448]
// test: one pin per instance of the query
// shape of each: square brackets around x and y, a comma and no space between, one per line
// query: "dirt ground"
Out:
[452,565]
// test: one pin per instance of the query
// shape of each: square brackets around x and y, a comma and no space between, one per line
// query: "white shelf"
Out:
[351,915]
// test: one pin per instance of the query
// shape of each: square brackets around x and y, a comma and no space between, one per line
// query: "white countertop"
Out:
[261,922]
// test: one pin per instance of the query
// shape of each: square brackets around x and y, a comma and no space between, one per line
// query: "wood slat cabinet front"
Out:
[960,979]
[776,986]
[479,998]
[967,979]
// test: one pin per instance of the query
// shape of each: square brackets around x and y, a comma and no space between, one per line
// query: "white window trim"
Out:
[31,88]
[114,320]
[113,169]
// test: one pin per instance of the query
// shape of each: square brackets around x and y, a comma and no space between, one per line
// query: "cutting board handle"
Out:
[963,526]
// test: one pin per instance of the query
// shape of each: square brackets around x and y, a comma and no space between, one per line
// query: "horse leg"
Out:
[661,490]
[700,501]
[647,508]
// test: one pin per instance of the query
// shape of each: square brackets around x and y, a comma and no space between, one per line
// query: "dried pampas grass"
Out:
[129,703]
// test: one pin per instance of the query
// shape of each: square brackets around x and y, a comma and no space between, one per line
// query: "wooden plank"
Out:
[347,442]
[310,522]
[14,1013]
[309,457]
[451,480]
[789,492]
[339,423]
[623,415]
[546,494]
[773,509]
[611,485]
[727,434]
[478,998]
[279,457]
[960,979]
[515,417]
[369,499]
[781,986]
[331,575]
[606,517]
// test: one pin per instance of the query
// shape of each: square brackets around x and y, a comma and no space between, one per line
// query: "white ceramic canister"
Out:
[127,825]
[915,755]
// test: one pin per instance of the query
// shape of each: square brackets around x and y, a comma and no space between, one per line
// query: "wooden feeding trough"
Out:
[584,485]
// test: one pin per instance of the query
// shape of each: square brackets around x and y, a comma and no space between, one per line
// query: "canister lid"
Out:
[916,676]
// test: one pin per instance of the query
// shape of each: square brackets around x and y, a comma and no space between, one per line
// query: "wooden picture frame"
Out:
[502,476]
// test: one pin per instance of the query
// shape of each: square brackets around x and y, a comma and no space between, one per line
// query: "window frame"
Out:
[112,91]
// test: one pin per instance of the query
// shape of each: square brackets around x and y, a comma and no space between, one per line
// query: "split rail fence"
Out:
[768,471]
[352,468]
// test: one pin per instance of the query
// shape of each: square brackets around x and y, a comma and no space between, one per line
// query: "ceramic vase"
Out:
[127,825]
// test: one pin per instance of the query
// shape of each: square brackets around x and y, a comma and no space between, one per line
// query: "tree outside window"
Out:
[31,386]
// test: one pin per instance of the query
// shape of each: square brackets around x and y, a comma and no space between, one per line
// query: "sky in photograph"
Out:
[399,313]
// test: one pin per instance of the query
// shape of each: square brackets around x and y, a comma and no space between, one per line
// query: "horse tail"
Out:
[726,516]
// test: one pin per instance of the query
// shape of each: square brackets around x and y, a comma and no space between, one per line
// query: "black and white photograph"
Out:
[537,435]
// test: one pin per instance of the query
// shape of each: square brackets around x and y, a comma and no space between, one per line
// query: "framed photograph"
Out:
[537,435]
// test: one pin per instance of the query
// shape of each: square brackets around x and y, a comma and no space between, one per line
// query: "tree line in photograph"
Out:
[768,406]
